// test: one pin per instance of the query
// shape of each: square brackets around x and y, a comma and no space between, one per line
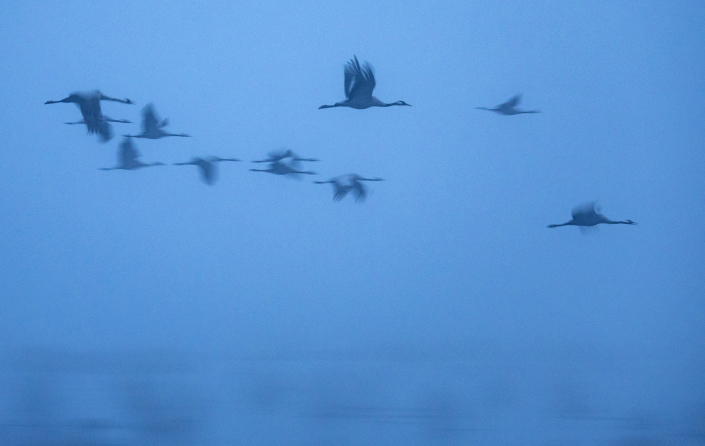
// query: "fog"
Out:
[148,307]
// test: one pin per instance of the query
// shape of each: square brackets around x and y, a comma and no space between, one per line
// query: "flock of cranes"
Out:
[359,83]
[282,162]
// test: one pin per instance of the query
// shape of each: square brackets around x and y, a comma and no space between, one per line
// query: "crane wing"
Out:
[349,76]
[359,81]
[150,119]
[359,190]
[93,115]
[128,152]
[207,170]
[105,132]
[339,191]
[278,154]
[583,210]
[90,110]
[513,102]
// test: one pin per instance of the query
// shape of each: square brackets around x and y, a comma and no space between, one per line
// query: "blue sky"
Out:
[450,252]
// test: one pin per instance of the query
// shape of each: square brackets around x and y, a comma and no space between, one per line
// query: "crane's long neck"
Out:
[338,104]
[108,98]
[382,104]
[124,121]
[65,100]
[496,110]
[568,223]
[625,222]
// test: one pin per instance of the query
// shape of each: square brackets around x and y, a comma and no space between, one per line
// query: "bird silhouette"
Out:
[280,155]
[283,168]
[359,83]
[207,167]
[128,157]
[89,104]
[587,215]
[351,182]
[152,126]
[509,108]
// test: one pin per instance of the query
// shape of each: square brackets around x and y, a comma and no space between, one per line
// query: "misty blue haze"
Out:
[145,307]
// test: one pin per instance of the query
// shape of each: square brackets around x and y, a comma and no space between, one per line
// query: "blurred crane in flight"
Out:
[283,168]
[280,155]
[128,157]
[587,215]
[89,104]
[207,167]
[152,126]
[351,182]
[509,108]
[359,83]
